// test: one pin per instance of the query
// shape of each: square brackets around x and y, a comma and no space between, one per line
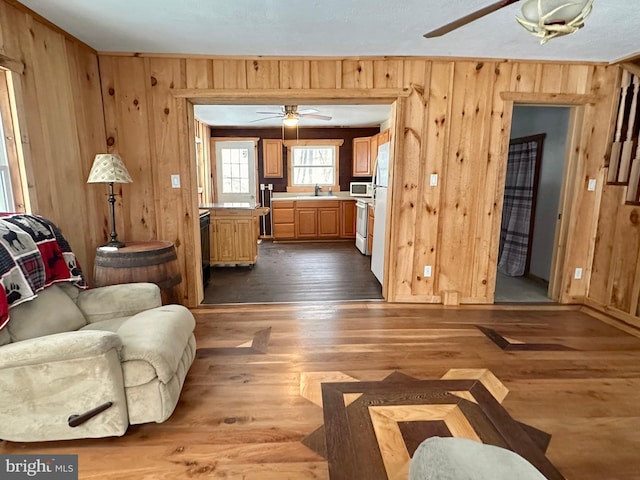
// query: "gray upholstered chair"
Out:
[88,363]
[462,459]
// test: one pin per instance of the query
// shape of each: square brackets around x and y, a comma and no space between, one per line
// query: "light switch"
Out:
[433,179]
[175,181]
[592,184]
[578,273]
[427,270]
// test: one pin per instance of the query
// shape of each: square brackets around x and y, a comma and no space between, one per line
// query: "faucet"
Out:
[317,188]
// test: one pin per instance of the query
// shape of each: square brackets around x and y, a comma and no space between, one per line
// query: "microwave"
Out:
[361,189]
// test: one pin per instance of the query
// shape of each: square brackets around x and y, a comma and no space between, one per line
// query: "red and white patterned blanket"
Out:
[33,255]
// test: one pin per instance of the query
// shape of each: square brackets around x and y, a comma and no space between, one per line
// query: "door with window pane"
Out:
[235,171]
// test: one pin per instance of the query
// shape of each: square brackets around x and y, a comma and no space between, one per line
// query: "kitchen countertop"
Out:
[280,196]
[240,205]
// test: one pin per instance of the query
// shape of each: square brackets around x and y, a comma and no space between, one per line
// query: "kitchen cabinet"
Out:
[272,164]
[283,216]
[234,234]
[313,219]
[348,219]
[361,163]
[233,240]
[384,137]
[317,219]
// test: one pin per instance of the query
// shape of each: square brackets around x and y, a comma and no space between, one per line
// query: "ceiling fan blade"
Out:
[271,113]
[265,118]
[308,110]
[313,115]
[469,18]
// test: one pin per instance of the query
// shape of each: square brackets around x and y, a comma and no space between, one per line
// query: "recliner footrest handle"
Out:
[77,420]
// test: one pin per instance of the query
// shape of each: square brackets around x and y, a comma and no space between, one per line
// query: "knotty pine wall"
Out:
[62,126]
[453,119]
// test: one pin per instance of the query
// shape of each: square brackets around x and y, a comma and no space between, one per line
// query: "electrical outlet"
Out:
[591,185]
[427,270]
[262,186]
[433,179]
[175,181]
[578,273]
[270,186]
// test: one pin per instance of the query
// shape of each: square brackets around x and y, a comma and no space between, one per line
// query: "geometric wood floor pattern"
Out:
[512,345]
[371,429]
[251,405]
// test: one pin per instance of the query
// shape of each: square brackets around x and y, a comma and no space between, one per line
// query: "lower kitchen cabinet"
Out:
[313,219]
[233,240]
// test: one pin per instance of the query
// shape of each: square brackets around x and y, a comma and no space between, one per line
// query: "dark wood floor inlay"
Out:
[359,440]
[414,433]
[507,345]
[259,345]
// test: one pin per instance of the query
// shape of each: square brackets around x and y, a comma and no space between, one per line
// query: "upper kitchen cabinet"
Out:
[272,158]
[362,165]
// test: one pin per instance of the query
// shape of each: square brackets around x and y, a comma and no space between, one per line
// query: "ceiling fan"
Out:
[291,115]
[545,19]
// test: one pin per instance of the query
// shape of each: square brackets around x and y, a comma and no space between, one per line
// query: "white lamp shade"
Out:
[556,10]
[108,168]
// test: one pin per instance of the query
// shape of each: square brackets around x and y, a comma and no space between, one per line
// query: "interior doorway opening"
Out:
[535,189]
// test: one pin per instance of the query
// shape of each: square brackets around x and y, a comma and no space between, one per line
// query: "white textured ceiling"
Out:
[335,28]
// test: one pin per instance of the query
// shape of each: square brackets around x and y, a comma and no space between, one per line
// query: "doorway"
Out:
[236,171]
[543,132]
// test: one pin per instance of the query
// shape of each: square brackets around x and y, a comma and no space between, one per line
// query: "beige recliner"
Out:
[88,363]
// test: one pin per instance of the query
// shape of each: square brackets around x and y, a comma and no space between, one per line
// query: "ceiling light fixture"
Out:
[547,19]
[290,120]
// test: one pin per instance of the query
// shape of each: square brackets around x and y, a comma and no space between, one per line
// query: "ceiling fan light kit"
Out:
[548,19]
[544,19]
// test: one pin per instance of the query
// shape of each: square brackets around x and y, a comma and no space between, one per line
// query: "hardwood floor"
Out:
[297,272]
[251,407]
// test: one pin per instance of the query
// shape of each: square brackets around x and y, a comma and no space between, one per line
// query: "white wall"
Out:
[554,121]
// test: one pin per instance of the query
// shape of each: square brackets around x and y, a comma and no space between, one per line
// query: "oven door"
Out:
[361,226]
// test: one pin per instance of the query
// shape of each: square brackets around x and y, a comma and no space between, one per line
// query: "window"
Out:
[313,162]
[12,196]
[235,170]
[6,193]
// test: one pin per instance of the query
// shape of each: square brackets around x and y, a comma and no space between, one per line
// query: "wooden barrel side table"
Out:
[153,261]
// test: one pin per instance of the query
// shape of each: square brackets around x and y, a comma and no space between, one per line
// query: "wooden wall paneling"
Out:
[464,167]
[552,76]
[357,74]
[389,73]
[59,175]
[625,259]
[199,73]
[263,74]
[409,170]
[173,152]
[491,201]
[85,80]
[295,74]
[577,78]
[594,144]
[231,74]
[602,273]
[525,77]
[484,178]
[127,115]
[13,25]
[325,74]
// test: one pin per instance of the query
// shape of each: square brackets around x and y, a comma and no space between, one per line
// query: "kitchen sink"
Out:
[313,197]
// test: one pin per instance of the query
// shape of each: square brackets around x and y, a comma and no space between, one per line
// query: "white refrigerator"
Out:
[380,187]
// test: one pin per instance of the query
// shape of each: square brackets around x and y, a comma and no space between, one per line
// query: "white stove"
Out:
[362,220]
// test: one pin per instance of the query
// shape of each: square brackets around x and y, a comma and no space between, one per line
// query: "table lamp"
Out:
[108,168]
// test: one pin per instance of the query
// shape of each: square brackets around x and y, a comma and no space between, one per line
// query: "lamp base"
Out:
[114,244]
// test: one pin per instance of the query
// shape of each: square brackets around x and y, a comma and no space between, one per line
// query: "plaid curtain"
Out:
[516,212]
